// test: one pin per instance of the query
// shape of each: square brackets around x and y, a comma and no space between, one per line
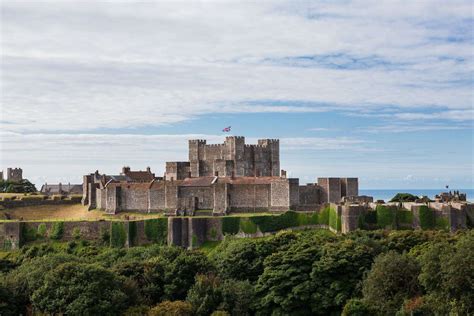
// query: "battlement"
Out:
[234,137]
[198,141]
[14,174]
[268,142]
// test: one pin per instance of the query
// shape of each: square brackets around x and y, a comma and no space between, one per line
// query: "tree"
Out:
[80,289]
[404,197]
[447,275]
[336,276]
[284,287]
[179,274]
[392,279]
[209,293]
[205,295]
[22,186]
[356,307]
[30,275]
[175,308]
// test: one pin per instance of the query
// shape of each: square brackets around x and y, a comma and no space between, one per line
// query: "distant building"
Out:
[62,189]
[13,174]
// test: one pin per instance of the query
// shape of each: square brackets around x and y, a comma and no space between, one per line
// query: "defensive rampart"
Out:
[192,232]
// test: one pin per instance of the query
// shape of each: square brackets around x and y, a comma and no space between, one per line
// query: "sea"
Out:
[388,194]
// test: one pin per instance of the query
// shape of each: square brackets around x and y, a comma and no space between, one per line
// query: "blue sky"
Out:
[378,90]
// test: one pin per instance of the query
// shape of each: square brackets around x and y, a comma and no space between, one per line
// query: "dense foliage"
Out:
[23,186]
[404,197]
[310,272]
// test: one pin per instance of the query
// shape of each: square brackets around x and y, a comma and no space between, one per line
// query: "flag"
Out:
[226,129]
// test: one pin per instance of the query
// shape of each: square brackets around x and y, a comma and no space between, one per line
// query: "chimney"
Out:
[283,173]
[148,169]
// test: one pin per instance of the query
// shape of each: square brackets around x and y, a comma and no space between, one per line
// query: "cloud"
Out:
[82,66]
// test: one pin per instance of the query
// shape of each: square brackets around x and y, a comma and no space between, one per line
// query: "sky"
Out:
[380,90]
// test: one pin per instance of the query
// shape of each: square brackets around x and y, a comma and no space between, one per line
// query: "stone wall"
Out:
[309,196]
[8,203]
[330,190]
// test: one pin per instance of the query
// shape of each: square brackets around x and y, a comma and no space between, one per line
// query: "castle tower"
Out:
[196,153]
[14,174]
[273,148]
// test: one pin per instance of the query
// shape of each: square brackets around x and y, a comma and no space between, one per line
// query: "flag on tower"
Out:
[226,129]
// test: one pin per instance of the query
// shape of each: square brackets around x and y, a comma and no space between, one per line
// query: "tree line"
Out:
[291,273]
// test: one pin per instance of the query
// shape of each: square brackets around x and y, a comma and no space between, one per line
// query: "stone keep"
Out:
[235,158]
[14,174]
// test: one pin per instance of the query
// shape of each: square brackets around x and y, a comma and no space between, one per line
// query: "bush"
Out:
[247,226]
[76,233]
[404,197]
[275,223]
[356,307]
[42,231]
[80,289]
[57,231]
[175,308]
[392,279]
[230,225]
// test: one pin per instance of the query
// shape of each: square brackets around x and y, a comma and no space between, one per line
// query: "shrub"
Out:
[307,219]
[275,223]
[404,197]
[247,226]
[57,231]
[176,308]
[118,235]
[76,233]
[356,307]
[230,225]
[42,231]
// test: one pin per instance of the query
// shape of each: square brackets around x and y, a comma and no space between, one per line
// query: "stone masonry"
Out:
[222,178]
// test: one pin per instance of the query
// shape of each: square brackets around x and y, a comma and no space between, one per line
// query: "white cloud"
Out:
[82,66]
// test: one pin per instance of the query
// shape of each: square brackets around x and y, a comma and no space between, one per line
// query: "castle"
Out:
[222,178]
[13,174]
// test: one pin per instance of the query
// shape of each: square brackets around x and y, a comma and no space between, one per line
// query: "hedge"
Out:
[230,225]
[275,223]
[386,216]
[42,230]
[307,219]
[247,226]
[427,217]
[156,230]
[118,235]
